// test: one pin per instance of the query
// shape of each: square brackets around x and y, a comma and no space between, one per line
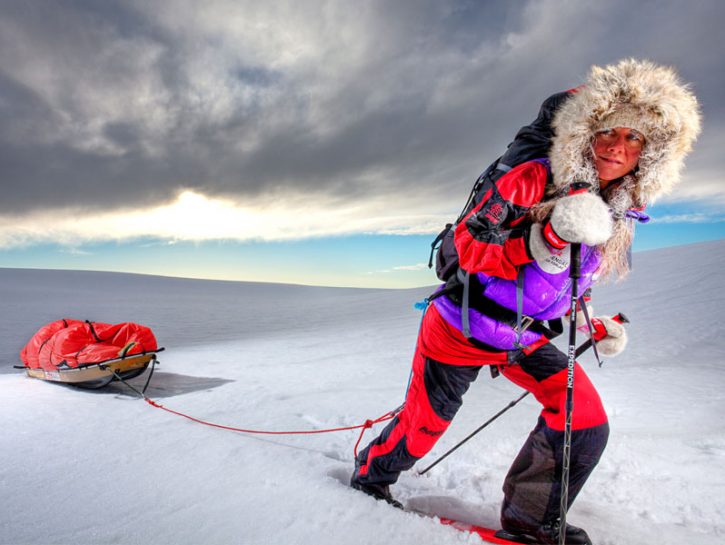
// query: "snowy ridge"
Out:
[103,467]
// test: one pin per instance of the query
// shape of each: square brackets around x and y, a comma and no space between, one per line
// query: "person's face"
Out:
[616,152]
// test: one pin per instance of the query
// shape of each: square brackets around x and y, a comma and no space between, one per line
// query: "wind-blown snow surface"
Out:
[82,467]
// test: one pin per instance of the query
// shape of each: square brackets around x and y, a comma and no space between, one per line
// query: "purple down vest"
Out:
[546,296]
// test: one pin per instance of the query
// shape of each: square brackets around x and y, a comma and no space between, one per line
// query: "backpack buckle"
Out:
[526,322]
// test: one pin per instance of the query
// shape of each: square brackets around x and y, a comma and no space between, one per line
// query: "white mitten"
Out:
[551,260]
[611,336]
[582,217]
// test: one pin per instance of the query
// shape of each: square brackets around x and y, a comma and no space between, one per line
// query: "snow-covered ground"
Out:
[82,467]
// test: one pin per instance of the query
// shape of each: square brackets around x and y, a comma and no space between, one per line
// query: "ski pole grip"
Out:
[620,318]
[575,266]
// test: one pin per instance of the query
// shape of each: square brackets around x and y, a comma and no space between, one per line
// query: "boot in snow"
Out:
[548,534]
[377,491]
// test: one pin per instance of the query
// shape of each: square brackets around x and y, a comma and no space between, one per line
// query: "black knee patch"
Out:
[544,362]
[446,384]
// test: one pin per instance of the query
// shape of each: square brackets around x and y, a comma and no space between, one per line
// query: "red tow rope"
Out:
[362,427]
[368,423]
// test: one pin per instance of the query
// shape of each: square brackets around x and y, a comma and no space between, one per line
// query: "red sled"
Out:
[89,354]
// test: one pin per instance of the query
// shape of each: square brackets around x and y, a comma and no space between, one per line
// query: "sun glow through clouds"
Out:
[194,216]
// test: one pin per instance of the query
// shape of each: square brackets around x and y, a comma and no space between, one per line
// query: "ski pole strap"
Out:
[585,311]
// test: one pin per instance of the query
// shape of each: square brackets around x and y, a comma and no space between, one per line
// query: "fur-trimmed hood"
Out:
[635,94]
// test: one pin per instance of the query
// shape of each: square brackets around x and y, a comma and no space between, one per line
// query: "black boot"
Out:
[521,527]
[377,491]
[548,534]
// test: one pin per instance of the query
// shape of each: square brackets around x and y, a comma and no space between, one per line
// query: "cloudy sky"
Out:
[321,142]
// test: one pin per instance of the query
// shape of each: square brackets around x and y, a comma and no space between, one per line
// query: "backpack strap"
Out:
[489,176]
[434,245]
[556,326]
[462,278]
[465,318]
[502,167]
[520,327]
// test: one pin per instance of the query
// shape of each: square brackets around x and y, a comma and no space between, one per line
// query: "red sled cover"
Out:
[74,343]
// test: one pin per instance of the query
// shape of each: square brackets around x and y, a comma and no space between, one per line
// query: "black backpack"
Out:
[531,142]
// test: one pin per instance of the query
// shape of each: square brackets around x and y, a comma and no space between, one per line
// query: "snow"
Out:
[104,467]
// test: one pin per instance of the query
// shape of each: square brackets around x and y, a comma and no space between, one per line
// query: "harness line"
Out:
[366,425]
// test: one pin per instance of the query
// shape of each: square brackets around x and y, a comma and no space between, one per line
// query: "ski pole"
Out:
[494,417]
[574,274]
[579,351]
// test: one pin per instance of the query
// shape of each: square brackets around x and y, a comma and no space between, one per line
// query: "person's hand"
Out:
[581,217]
[550,259]
[610,336]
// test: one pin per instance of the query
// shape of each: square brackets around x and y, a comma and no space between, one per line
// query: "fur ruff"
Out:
[642,96]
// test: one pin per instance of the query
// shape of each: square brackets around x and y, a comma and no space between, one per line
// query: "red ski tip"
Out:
[486,534]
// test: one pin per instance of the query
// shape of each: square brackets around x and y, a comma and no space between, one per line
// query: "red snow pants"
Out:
[444,366]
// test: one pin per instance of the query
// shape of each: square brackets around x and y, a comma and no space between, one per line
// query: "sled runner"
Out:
[89,354]
[97,375]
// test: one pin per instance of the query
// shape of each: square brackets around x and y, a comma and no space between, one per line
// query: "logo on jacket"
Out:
[432,433]
[495,213]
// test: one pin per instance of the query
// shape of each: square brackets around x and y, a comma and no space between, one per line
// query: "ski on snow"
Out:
[488,535]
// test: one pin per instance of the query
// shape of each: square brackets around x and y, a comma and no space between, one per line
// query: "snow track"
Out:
[105,468]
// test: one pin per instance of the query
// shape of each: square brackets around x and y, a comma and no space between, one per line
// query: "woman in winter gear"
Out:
[620,141]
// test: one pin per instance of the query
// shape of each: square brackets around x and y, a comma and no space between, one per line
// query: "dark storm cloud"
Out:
[123,104]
